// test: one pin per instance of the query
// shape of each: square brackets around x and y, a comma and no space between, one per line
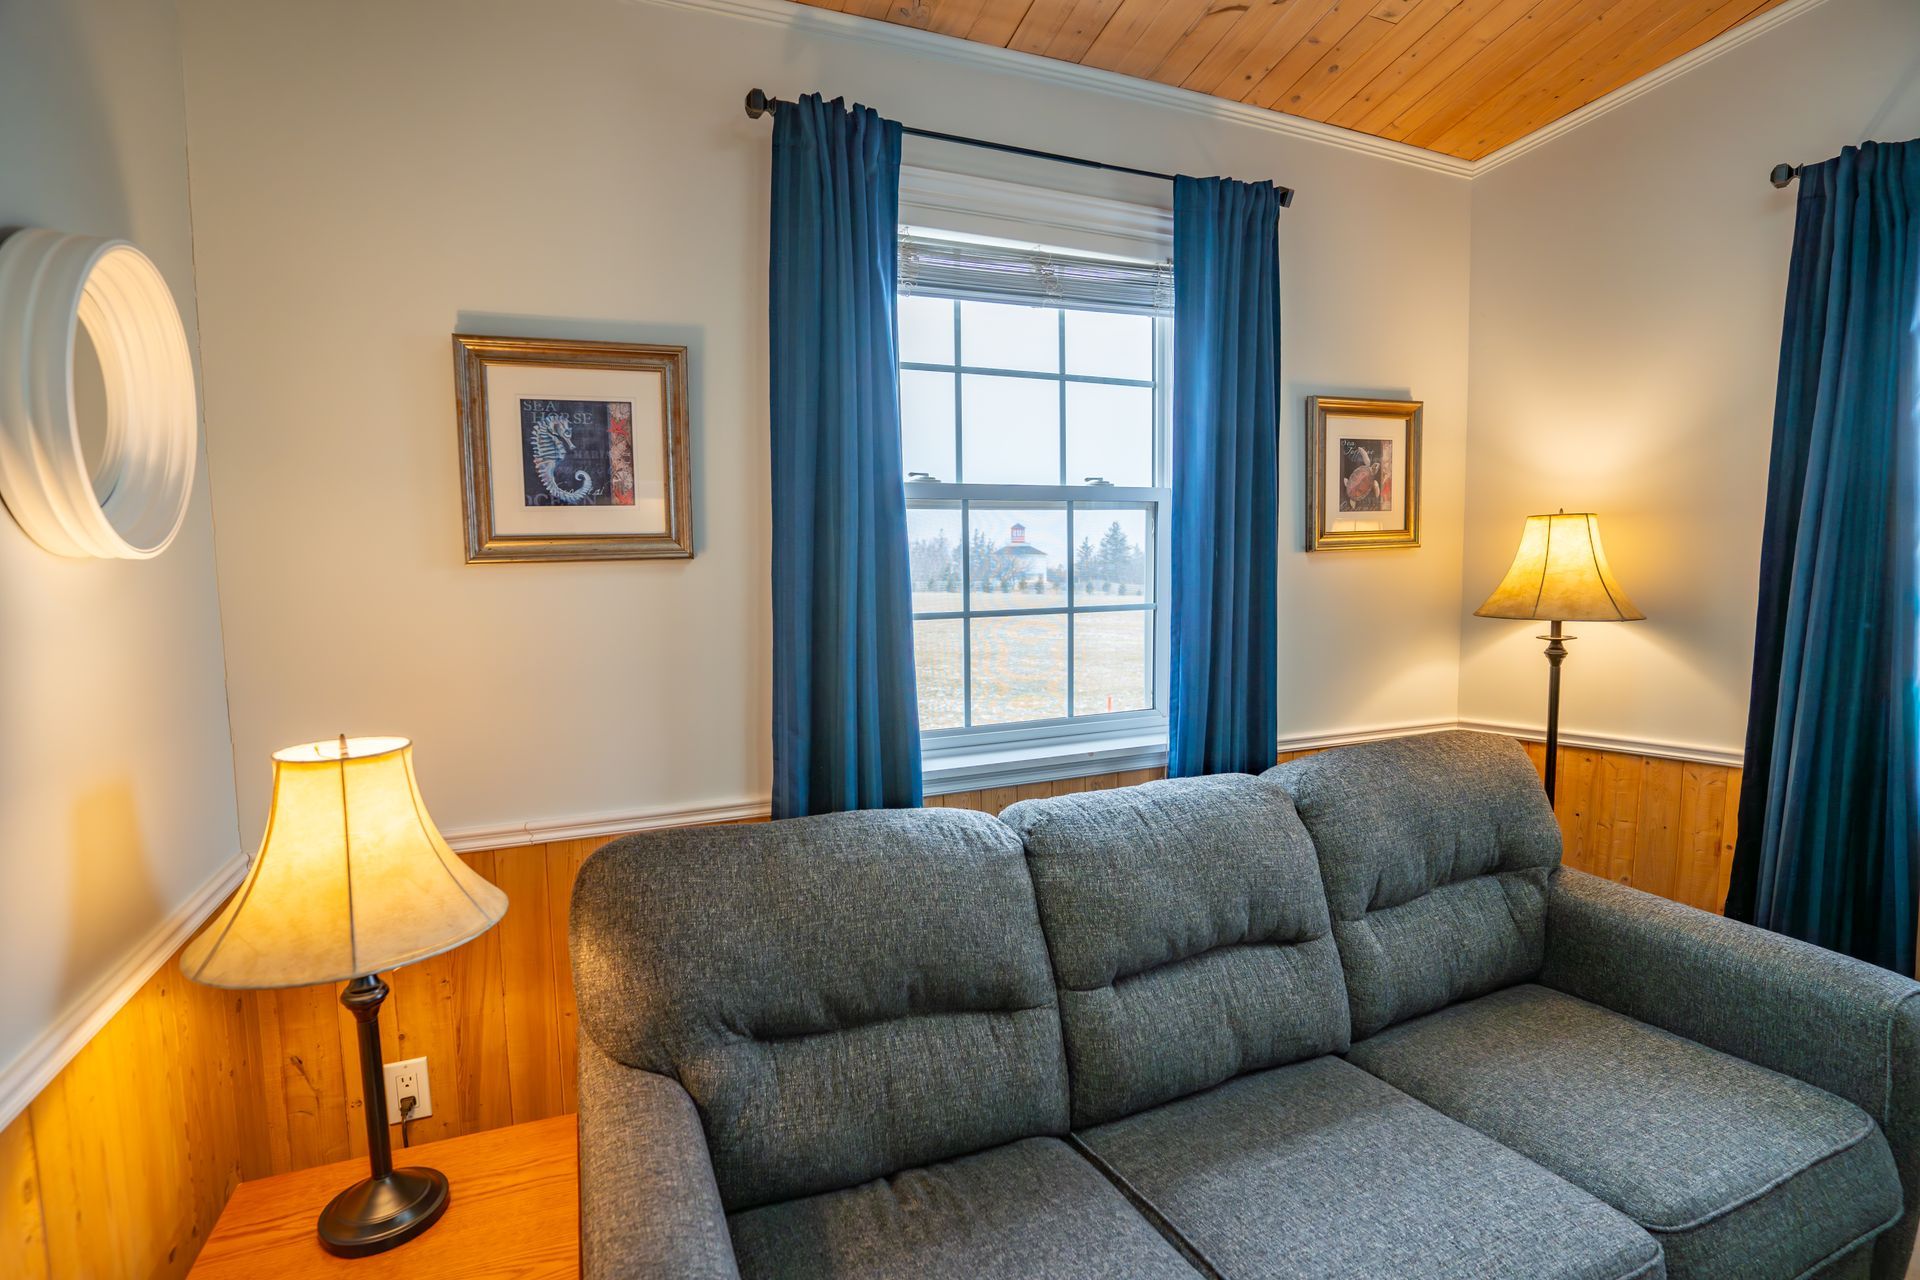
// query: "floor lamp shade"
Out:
[352,877]
[1560,572]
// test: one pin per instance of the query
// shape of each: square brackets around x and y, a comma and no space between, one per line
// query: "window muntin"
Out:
[1036,516]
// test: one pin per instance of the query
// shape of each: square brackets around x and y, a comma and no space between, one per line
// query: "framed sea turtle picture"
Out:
[573,450]
[1363,473]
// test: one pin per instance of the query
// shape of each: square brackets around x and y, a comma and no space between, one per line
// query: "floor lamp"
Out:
[1559,574]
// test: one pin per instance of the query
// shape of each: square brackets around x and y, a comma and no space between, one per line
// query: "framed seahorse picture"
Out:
[573,450]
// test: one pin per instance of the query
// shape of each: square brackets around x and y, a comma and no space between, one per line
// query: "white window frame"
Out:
[966,758]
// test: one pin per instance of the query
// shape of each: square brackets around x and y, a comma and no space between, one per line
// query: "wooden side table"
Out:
[515,1212]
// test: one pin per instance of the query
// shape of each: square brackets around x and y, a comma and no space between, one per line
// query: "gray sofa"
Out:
[1349,1018]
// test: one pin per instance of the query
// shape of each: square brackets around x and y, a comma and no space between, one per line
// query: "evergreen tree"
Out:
[929,560]
[982,560]
[1115,556]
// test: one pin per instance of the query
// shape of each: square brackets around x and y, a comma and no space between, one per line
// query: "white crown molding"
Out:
[1020,766]
[987,57]
[1010,767]
[894,36]
[1691,752]
[36,1066]
[1726,42]
[1355,736]
[1526,733]
[593,826]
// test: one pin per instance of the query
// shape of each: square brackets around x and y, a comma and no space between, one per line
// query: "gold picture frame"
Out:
[1363,473]
[572,450]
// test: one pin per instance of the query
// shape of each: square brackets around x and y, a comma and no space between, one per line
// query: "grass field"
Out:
[1020,667]
[1049,597]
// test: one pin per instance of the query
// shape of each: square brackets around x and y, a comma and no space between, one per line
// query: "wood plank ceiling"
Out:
[1461,77]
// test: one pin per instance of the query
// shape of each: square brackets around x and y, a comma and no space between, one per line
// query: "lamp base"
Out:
[375,1214]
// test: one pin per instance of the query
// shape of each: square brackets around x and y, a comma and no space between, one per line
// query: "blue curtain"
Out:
[1827,839]
[846,729]
[1226,424]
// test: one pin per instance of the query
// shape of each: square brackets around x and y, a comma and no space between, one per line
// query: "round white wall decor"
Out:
[130,503]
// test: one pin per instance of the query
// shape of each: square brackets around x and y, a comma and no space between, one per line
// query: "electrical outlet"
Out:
[408,1079]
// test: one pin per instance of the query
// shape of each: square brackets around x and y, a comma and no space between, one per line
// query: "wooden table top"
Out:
[515,1211]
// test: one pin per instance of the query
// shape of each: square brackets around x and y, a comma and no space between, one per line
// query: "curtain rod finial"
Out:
[1783,174]
[758,103]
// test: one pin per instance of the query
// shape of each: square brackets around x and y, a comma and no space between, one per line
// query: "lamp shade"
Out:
[352,877]
[1560,573]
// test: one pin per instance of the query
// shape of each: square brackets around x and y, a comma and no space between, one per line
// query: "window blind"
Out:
[1040,277]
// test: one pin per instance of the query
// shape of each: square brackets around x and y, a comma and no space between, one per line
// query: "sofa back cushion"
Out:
[1436,852]
[843,996]
[1189,936]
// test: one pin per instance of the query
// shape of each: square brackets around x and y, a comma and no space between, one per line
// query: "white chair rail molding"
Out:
[128,500]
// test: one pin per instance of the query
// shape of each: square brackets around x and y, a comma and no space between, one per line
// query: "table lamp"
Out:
[351,878]
[1559,574]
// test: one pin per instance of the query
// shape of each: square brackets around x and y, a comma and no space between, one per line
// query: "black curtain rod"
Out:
[1783,174]
[759,104]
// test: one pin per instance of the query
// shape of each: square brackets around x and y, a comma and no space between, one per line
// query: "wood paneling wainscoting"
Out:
[994,799]
[1665,826]
[121,1166]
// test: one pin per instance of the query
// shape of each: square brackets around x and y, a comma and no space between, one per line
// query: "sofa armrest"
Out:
[649,1207]
[1837,1023]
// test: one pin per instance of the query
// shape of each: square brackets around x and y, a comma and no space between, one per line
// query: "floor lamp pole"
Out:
[1556,654]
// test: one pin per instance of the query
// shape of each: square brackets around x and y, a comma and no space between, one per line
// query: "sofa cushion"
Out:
[1033,1208]
[1318,1169]
[1737,1170]
[1189,934]
[842,996]
[1435,851]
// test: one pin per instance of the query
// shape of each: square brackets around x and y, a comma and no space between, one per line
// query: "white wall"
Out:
[1628,284]
[116,776]
[369,177]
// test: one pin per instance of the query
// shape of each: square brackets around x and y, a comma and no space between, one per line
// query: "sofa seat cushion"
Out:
[1736,1170]
[1032,1208]
[1319,1169]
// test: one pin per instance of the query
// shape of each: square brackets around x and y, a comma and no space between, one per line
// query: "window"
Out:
[1033,390]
